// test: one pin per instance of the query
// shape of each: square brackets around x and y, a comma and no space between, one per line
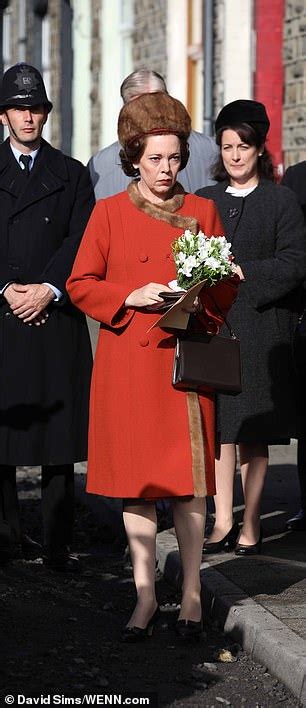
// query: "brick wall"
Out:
[150,35]
[54,12]
[294,110]
[96,68]
[14,45]
[30,41]
[218,62]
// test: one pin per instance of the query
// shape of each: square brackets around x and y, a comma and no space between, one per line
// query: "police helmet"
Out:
[22,85]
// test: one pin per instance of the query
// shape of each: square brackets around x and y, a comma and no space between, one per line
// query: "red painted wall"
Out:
[268,77]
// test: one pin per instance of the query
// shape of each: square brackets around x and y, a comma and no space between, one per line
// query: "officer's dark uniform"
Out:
[45,370]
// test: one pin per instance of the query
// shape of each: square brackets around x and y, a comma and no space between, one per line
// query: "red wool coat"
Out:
[146,439]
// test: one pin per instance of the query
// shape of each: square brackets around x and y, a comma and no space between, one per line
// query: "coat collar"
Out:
[54,159]
[48,174]
[164,211]
[220,187]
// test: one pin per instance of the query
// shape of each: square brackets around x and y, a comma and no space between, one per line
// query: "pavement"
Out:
[259,601]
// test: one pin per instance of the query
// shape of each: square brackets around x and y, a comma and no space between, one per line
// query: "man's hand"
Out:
[39,320]
[28,301]
[12,297]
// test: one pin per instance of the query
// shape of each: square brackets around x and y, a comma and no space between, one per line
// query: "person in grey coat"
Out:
[105,168]
[265,225]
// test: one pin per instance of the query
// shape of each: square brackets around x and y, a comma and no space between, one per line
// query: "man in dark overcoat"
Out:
[46,199]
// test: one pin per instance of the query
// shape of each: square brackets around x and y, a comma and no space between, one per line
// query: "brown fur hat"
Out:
[152,114]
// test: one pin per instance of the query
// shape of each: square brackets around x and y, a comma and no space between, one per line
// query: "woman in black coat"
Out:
[265,226]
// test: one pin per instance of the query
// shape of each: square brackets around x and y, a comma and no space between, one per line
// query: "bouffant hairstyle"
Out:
[151,114]
[250,136]
[134,151]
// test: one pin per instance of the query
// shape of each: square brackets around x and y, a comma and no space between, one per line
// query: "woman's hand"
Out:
[194,308]
[237,271]
[147,295]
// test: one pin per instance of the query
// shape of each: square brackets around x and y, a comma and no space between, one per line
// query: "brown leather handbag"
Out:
[207,362]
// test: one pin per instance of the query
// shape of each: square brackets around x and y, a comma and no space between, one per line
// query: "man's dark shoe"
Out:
[5,543]
[297,522]
[63,563]
[5,556]
[30,549]
[27,549]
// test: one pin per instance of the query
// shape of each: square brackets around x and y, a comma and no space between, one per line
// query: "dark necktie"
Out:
[26,161]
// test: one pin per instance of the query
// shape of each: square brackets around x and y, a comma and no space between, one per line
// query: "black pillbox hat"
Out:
[244,111]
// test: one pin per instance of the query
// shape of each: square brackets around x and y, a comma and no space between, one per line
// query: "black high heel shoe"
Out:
[253,550]
[227,543]
[139,634]
[188,629]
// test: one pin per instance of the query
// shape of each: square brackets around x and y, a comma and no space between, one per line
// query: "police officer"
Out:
[45,354]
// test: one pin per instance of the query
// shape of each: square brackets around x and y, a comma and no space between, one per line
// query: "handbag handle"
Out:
[226,322]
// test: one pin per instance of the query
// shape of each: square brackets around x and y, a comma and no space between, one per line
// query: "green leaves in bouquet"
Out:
[198,257]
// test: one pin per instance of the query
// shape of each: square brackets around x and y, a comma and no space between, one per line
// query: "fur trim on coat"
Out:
[164,211]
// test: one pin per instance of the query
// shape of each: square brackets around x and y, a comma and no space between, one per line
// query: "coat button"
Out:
[143,257]
[8,314]
[47,219]
[144,341]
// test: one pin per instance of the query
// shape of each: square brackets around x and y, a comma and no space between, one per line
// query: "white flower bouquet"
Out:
[198,258]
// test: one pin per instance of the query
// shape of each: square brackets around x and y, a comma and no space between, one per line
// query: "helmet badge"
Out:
[26,80]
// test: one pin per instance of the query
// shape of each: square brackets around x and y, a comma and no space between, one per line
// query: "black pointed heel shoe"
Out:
[188,630]
[135,634]
[227,543]
[253,550]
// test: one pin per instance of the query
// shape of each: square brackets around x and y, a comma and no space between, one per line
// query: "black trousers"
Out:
[57,496]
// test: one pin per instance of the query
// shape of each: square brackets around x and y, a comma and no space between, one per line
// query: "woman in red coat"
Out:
[146,439]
